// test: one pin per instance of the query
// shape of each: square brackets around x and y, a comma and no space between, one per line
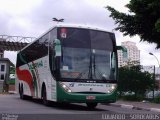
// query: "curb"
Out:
[12,92]
[126,106]
[141,108]
[154,109]
[8,93]
[134,107]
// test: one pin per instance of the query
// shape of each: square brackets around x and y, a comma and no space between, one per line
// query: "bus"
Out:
[69,64]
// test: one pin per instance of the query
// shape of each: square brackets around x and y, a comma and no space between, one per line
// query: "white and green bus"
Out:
[69,63]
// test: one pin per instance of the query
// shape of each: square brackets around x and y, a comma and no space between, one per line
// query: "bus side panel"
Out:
[44,76]
[33,75]
[53,89]
[24,79]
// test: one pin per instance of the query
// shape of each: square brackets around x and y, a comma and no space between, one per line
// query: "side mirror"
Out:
[57,44]
[124,50]
[58,52]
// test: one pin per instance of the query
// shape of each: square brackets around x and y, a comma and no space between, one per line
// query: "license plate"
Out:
[90,97]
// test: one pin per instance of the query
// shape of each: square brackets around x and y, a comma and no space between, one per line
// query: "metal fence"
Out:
[16,38]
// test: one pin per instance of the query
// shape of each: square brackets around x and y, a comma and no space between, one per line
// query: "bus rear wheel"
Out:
[22,96]
[91,105]
[21,92]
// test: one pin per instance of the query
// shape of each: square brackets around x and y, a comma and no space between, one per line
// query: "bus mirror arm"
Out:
[57,44]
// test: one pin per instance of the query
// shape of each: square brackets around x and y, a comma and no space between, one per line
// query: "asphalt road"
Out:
[11,106]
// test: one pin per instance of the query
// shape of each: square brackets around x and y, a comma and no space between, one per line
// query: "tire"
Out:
[44,97]
[22,96]
[21,93]
[91,105]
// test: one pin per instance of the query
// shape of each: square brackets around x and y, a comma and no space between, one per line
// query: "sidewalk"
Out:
[138,105]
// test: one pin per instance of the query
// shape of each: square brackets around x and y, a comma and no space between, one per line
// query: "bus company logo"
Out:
[90,85]
[63,33]
[36,65]
[108,85]
[71,84]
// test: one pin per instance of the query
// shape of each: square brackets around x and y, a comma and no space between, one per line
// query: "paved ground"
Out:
[11,106]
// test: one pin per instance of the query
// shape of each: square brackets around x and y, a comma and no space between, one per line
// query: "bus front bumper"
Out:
[70,97]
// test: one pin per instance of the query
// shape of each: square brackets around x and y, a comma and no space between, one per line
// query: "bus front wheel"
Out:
[91,105]
[44,97]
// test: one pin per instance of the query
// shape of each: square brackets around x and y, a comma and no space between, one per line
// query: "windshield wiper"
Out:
[95,69]
[90,67]
[94,64]
[89,71]
[81,75]
[92,72]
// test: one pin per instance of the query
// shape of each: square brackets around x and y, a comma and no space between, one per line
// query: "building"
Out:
[1,53]
[10,43]
[5,64]
[133,54]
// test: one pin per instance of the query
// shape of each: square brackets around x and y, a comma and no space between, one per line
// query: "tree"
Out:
[12,69]
[132,79]
[143,20]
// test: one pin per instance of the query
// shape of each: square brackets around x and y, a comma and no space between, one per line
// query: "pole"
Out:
[154,73]
[154,82]
[156,58]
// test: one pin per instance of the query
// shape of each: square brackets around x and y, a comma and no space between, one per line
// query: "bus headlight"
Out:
[111,88]
[65,87]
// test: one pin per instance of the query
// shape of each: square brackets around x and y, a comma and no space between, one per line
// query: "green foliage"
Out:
[11,82]
[132,79]
[132,98]
[12,70]
[157,99]
[157,25]
[143,20]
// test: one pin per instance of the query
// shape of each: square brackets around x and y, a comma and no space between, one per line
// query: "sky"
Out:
[31,18]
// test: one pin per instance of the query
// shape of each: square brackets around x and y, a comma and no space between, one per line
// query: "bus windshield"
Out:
[87,54]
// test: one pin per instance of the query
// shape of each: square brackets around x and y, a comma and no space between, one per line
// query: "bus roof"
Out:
[82,26]
[91,27]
